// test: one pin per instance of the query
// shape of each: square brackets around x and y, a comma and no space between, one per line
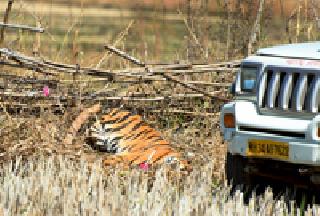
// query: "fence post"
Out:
[5,20]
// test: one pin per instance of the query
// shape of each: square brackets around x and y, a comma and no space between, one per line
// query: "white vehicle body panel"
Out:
[308,50]
[302,150]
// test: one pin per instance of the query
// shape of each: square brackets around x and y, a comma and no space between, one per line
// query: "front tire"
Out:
[235,173]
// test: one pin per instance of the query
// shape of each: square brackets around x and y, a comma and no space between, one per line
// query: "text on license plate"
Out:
[268,148]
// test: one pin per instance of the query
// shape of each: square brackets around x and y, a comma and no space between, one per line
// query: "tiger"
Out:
[129,139]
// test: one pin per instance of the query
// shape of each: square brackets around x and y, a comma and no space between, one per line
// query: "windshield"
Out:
[248,79]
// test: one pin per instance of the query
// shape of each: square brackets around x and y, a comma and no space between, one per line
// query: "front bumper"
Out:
[299,133]
[300,151]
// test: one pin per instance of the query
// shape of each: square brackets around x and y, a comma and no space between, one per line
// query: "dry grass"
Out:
[59,186]
[55,179]
[51,179]
[29,136]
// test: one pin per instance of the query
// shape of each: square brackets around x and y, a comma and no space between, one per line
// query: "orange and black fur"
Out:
[131,141]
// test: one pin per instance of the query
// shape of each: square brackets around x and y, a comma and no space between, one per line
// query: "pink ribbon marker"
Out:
[144,166]
[46,91]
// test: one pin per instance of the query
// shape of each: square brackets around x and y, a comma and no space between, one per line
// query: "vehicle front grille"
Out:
[290,89]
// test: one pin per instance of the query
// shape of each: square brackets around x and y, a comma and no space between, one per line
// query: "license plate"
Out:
[268,148]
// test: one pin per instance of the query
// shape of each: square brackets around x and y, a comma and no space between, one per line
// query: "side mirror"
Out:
[232,89]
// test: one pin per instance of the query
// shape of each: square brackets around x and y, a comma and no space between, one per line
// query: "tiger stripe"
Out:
[132,140]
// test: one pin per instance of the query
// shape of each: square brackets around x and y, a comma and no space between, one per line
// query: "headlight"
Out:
[248,79]
[229,120]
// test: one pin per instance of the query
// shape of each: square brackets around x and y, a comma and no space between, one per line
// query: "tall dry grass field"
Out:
[58,186]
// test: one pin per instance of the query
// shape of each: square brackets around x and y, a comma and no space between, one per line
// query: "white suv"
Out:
[273,125]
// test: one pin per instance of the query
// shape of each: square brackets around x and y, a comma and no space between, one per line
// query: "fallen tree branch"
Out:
[47,66]
[176,111]
[125,56]
[28,67]
[189,86]
[41,64]
[120,38]
[142,74]
[168,77]
[22,27]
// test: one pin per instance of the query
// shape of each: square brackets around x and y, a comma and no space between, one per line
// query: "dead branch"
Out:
[22,27]
[175,111]
[209,84]
[120,38]
[101,96]
[189,86]
[125,56]
[194,37]
[50,67]
[47,65]
[27,67]
[168,77]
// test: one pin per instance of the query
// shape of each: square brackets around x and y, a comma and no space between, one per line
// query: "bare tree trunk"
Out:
[256,28]
[206,29]
[5,20]
[189,14]
[298,22]
[228,30]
